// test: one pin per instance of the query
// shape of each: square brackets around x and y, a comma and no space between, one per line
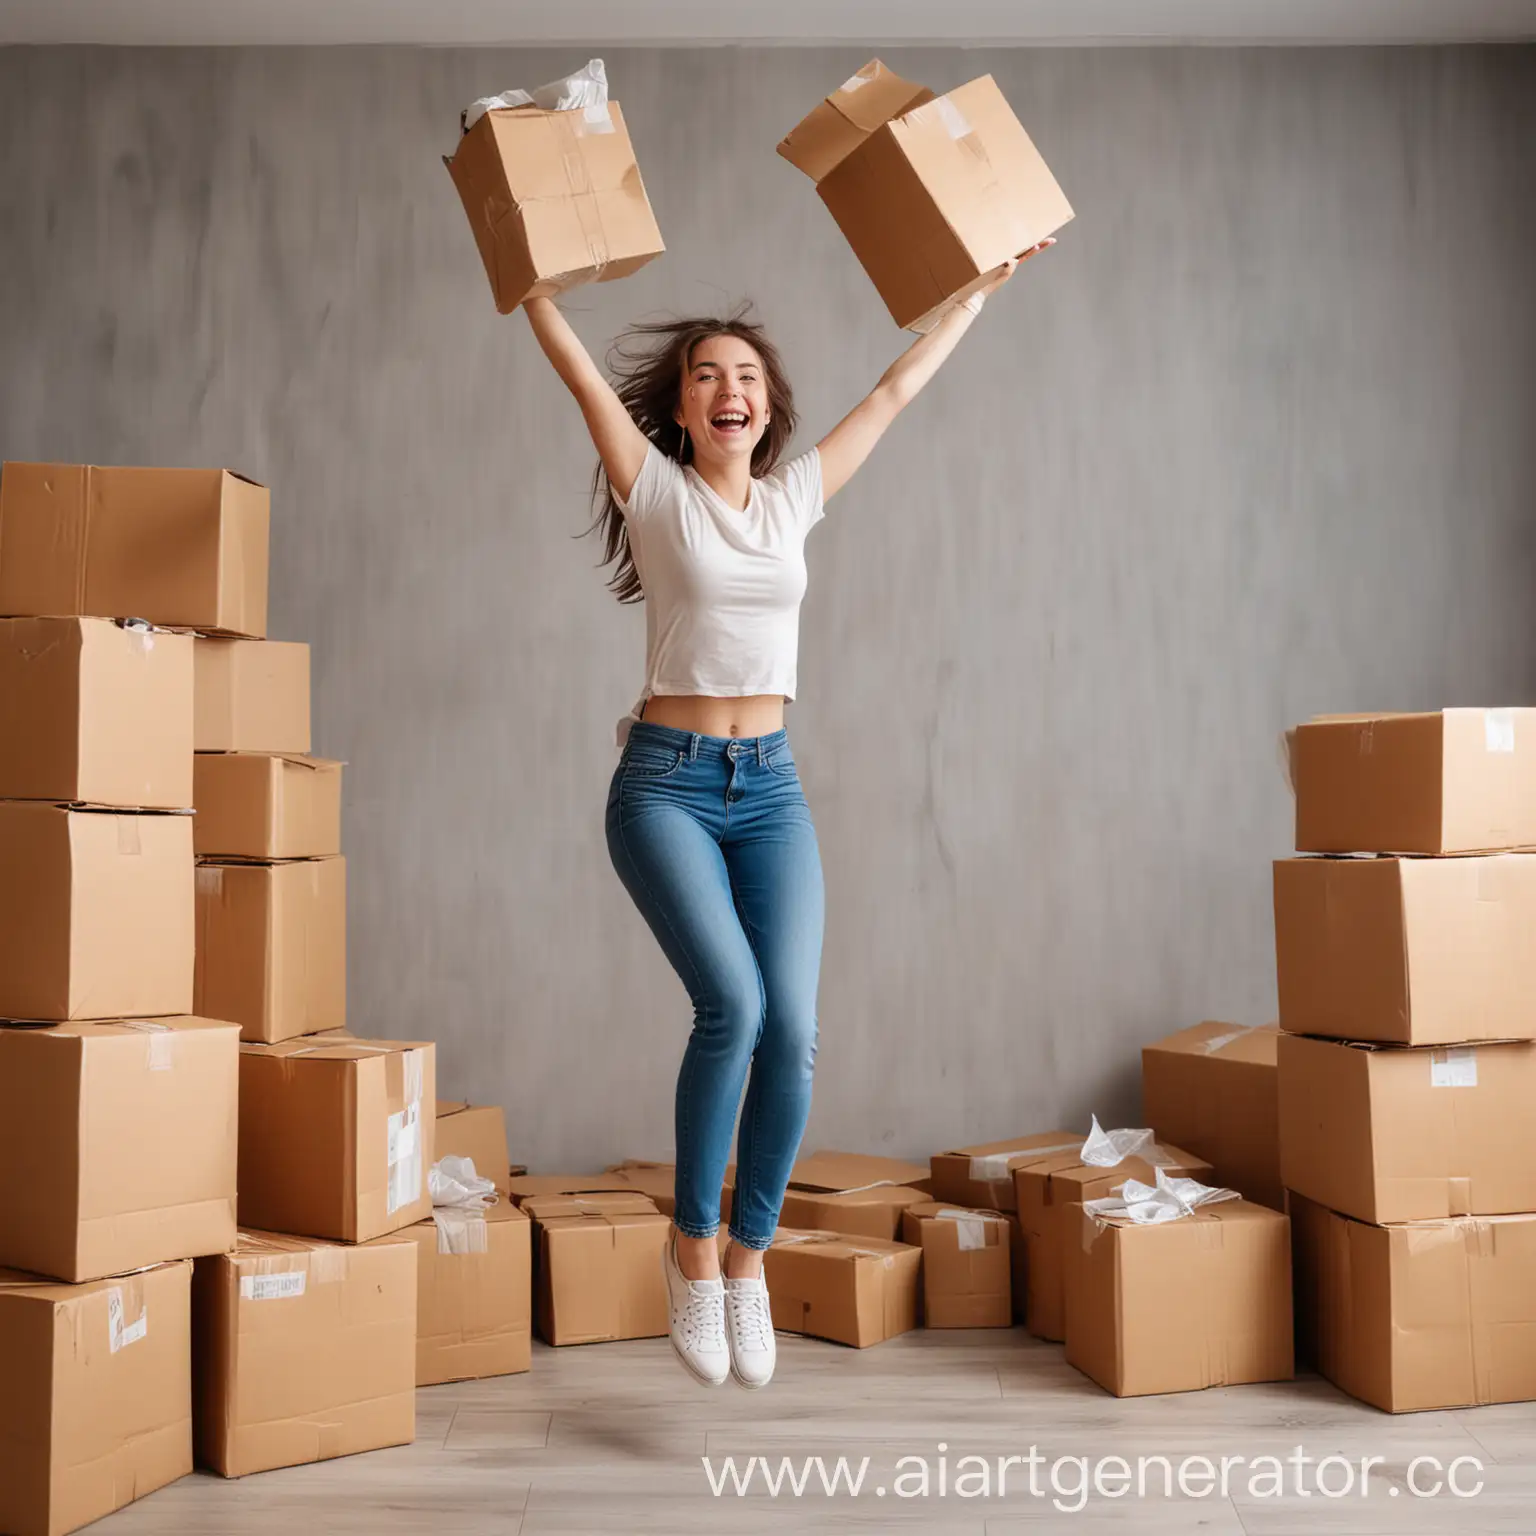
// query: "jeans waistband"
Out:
[697,745]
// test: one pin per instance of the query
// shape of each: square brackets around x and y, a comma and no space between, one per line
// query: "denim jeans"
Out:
[713,839]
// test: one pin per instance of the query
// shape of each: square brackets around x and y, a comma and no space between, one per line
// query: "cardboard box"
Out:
[93,713]
[1396,1133]
[852,1290]
[117,1145]
[554,199]
[272,946]
[1454,781]
[96,913]
[966,1269]
[336,1136]
[1213,1089]
[1050,1193]
[1203,1301]
[1018,1265]
[656,1181]
[474,1280]
[266,806]
[305,1351]
[530,1186]
[1407,951]
[932,194]
[97,1406]
[598,1262]
[858,1213]
[1427,1314]
[250,696]
[980,1177]
[478,1132]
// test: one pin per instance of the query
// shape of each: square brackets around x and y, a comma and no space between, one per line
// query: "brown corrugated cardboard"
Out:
[1018,1264]
[554,199]
[97,1406]
[305,1351]
[474,1278]
[272,946]
[1203,1301]
[117,1145]
[852,1290]
[1212,1088]
[966,1279]
[186,548]
[980,1177]
[96,913]
[1410,951]
[1398,1133]
[845,1172]
[524,1187]
[250,696]
[932,194]
[1050,1192]
[598,1262]
[656,1181]
[266,806]
[336,1135]
[92,712]
[858,1213]
[1428,1314]
[478,1132]
[1455,781]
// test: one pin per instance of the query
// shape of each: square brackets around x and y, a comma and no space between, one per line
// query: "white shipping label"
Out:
[405,1169]
[272,1287]
[1455,1068]
[1498,730]
[120,1332]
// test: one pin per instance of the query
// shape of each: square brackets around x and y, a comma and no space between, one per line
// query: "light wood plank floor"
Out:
[609,1439]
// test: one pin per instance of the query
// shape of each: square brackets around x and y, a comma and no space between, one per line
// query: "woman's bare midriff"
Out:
[758,715]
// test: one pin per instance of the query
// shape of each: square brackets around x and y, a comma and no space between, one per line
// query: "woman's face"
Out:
[724,403]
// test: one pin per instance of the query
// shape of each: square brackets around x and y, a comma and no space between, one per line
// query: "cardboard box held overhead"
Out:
[966,1268]
[251,696]
[933,193]
[264,806]
[92,712]
[852,1290]
[185,548]
[478,1132]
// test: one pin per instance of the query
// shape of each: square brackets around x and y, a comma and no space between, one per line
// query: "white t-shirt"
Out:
[722,586]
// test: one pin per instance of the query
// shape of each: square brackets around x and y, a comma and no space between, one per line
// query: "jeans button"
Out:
[733,794]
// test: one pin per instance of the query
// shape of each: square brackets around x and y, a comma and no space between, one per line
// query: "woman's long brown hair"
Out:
[647,363]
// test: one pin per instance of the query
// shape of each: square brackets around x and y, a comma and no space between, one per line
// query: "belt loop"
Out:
[762,757]
[693,748]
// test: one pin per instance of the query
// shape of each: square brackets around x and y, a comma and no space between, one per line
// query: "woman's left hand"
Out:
[1008,268]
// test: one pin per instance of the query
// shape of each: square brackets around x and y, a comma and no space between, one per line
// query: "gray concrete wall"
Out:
[1255,441]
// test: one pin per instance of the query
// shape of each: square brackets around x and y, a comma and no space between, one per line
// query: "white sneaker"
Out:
[749,1322]
[697,1325]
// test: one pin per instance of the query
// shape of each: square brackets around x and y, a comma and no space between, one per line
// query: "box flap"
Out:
[840,123]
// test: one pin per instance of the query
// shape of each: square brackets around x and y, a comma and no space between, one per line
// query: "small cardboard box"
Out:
[1203,1301]
[336,1136]
[856,1213]
[933,194]
[1407,951]
[554,199]
[1454,781]
[1212,1088]
[250,696]
[184,548]
[304,1351]
[852,1290]
[265,806]
[1426,1314]
[97,1407]
[598,1261]
[474,1280]
[981,1177]
[966,1268]
[94,713]
[1050,1193]
[117,1145]
[272,946]
[478,1132]
[656,1181]
[1396,1133]
[96,913]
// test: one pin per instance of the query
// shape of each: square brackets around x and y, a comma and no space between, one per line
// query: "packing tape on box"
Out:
[274,1255]
[1221,1042]
[127,1315]
[141,631]
[130,843]
[1148,1205]
[461,1231]
[1499,730]
[404,1148]
[162,1041]
[992,1167]
[971,1226]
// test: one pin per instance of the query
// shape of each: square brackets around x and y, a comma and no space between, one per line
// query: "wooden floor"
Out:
[609,1439]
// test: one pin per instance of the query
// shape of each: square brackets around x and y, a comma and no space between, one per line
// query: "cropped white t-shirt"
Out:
[722,586]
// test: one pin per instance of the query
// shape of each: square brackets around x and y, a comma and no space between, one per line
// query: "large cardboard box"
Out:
[656,1181]
[95,713]
[852,1290]
[1050,1192]
[932,193]
[1395,1133]
[250,696]
[478,1132]
[474,1281]
[554,199]
[966,1269]
[980,1177]
[272,946]
[305,1351]
[1408,951]
[1203,1301]
[1213,1089]
[1455,781]
[97,1406]
[336,1135]
[266,806]
[1426,1314]
[117,1144]
[96,913]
